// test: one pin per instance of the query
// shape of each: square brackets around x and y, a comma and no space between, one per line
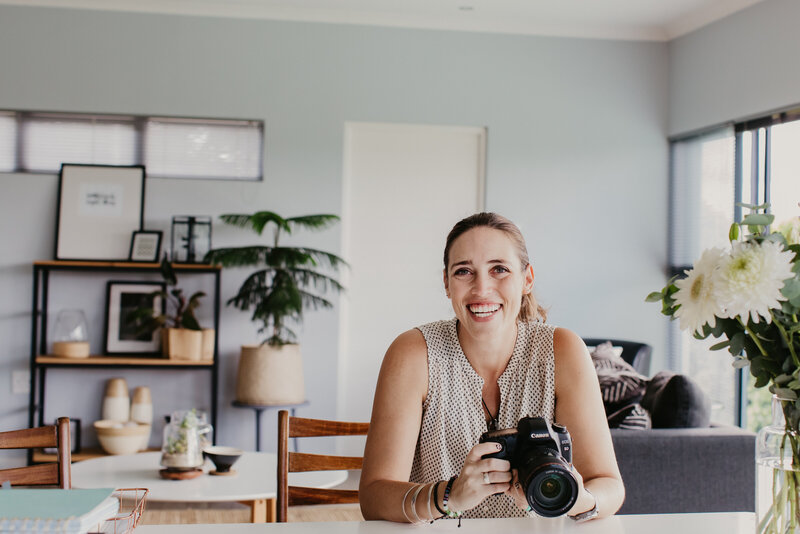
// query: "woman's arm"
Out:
[384,491]
[579,407]
[394,427]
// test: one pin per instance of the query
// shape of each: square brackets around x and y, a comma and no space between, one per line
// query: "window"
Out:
[50,140]
[197,149]
[8,134]
[702,198]
[167,147]
[752,162]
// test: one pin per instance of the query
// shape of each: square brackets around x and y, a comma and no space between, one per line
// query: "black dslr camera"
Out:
[541,453]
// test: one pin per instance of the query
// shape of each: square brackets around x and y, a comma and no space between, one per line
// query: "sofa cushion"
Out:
[621,388]
[676,401]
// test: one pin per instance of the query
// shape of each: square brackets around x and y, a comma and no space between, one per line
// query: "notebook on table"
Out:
[55,510]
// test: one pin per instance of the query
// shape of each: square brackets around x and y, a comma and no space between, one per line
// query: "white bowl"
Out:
[121,438]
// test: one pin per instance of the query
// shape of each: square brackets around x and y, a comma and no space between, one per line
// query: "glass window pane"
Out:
[8,141]
[49,141]
[185,148]
[702,210]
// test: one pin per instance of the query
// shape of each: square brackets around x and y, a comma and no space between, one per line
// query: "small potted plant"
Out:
[182,337]
[276,293]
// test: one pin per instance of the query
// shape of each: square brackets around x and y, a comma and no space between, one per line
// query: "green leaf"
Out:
[655,296]
[758,219]
[791,288]
[733,233]
[737,344]
[785,393]
[720,345]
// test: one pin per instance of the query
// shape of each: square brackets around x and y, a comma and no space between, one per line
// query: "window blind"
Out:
[8,134]
[186,148]
[50,140]
[702,195]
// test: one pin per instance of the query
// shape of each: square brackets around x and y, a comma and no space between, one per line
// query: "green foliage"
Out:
[180,310]
[287,280]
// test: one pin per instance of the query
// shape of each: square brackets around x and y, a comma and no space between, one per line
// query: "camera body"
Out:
[542,455]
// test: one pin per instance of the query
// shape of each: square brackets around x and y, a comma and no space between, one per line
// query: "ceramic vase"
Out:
[116,403]
[142,411]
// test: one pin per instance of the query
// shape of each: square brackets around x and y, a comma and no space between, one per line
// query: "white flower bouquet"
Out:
[749,295]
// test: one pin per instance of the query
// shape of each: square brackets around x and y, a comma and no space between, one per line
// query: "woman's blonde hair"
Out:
[529,309]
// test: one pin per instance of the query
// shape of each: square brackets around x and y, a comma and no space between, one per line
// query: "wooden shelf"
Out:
[88,453]
[123,265]
[121,360]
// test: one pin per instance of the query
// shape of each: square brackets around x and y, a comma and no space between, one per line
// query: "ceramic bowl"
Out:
[121,438]
[222,457]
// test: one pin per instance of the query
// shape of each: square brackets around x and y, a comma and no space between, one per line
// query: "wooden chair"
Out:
[292,462]
[54,473]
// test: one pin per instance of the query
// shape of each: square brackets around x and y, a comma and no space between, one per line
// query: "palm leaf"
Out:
[312,222]
[257,221]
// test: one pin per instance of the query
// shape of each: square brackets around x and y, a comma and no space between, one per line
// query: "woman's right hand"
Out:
[479,477]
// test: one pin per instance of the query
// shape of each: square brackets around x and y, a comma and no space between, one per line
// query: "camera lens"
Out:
[551,490]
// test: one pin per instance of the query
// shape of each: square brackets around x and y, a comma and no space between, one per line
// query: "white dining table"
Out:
[706,523]
[254,482]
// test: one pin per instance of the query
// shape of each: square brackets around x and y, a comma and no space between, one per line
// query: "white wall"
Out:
[576,155]
[742,66]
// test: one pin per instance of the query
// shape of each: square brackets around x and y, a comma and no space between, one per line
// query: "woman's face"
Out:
[485,280]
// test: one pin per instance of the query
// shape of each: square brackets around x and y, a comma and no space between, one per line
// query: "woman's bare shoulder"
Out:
[568,348]
[409,348]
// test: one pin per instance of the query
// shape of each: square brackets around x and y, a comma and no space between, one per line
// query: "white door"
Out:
[405,186]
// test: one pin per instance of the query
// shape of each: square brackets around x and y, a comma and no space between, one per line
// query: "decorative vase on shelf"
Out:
[116,403]
[142,411]
[71,335]
[778,471]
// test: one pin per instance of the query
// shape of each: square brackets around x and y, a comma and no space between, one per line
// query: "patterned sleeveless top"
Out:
[452,414]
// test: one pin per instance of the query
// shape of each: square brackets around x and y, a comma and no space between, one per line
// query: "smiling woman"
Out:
[495,365]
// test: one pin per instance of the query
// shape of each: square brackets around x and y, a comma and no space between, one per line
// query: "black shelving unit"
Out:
[40,362]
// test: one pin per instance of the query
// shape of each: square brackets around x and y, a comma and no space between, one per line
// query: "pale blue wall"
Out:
[577,155]
[742,66]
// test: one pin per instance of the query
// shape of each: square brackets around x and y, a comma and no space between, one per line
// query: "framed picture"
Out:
[145,245]
[98,208]
[124,335]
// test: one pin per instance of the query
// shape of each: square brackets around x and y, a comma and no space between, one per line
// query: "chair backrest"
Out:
[292,462]
[49,474]
[634,352]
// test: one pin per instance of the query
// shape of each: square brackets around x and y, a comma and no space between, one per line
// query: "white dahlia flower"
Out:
[750,279]
[696,295]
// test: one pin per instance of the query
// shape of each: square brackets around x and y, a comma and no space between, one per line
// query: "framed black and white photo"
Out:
[98,208]
[145,245]
[124,332]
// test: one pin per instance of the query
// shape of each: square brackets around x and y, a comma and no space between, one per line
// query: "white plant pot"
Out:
[270,375]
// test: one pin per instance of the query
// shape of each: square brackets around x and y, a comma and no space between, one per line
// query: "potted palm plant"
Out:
[286,281]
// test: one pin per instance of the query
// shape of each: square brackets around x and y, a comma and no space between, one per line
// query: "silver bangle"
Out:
[403,505]
[414,503]
[430,493]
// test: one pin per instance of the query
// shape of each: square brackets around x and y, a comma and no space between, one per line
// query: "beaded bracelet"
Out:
[448,511]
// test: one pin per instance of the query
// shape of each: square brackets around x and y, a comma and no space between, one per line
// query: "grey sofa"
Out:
[672,470]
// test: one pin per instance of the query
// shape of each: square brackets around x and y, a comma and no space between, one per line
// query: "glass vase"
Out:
[778,471]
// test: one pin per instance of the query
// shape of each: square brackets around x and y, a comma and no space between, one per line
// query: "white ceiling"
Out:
[651,20]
